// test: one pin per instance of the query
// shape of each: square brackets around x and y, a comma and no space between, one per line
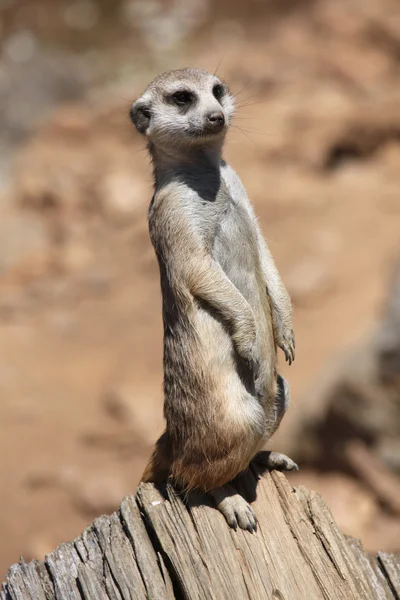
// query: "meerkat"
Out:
[225,308]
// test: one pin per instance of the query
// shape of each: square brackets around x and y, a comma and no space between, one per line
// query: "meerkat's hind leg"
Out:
[236,510]
[275,460]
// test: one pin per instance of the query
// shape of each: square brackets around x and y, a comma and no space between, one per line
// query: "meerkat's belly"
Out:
[236,250]
[231,389]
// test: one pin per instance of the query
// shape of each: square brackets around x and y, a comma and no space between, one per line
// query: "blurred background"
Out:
[316,141]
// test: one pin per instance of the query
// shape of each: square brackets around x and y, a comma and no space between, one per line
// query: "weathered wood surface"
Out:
[158,548]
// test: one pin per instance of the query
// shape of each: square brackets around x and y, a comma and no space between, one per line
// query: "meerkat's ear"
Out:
[140,114]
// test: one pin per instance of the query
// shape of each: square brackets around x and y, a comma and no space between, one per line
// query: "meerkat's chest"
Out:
[226,224]
[235,244]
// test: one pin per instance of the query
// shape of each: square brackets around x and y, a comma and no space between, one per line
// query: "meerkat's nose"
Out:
[216,119]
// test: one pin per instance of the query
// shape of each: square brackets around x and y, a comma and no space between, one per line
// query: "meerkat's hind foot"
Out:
[236,510]
[275,460]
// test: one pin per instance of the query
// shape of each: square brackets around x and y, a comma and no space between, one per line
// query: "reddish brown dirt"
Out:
[80,319]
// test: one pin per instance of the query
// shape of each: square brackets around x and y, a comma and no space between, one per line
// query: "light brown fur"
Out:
[225,308]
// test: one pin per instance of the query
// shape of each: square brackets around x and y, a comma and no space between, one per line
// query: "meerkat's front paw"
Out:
[247,348]
[275,460]
[236,510]
[286,342]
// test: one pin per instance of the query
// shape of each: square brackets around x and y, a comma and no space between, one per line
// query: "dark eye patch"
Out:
[218,91]
[182,98]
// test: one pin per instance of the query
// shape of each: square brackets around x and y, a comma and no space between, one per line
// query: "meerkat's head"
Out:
[183,108]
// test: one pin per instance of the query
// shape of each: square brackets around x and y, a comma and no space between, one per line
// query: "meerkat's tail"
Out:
[159,465]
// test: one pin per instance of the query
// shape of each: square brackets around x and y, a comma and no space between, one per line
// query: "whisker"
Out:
[243,88]
[247,99]
[246,105]
[242,118]
[219,64]
[121,97]
[243,133]
[254,129]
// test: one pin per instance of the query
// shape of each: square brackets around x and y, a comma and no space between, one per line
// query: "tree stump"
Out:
[157,547]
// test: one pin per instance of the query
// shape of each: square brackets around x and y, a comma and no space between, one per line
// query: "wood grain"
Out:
[157,547]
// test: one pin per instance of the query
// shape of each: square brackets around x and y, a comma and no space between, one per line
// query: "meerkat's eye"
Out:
[182,98]
[218,91]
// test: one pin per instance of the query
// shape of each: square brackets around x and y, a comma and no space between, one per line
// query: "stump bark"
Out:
[157,547]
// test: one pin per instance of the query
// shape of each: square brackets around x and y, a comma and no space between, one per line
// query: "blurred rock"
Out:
[76,255]
[37,548]
[94,493]
[227,30]
[375,475]
[36,84]
[308,280]
[388,451]
[136,408]
[388,342]
[79,167]
[25,409]
[164,25]
[119,404]
[389,155]
[97,280]
[120,195]
[98,493]
[361,398]
[21,46]
[61,321]
[21,238]
[383,532]
[81,14]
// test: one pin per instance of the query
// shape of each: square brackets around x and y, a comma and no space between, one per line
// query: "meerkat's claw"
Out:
[288,345]
[247,519]
[275,460]
[235,509]
[288,355]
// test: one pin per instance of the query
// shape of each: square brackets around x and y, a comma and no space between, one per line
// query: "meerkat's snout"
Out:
[215,121]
